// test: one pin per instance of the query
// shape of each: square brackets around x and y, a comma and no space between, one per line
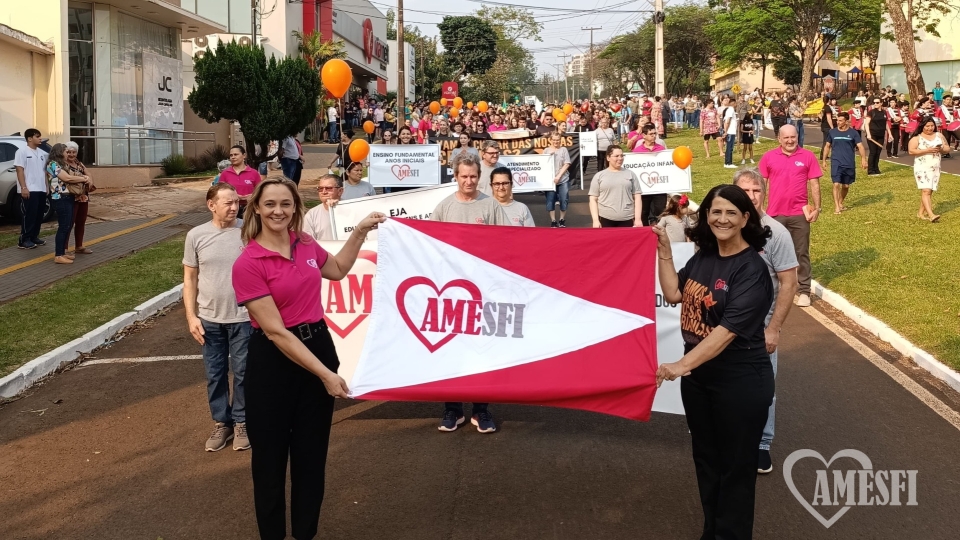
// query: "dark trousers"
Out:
[651,208]
[32,211]
[894,143]
[726,410]
[288,415]
[604,222]
[778,122]
[291,169]
[79,222]
[457,406]
[64,208]
[600,159]
[873,159]
[823,142]
[799,229]
[904,141]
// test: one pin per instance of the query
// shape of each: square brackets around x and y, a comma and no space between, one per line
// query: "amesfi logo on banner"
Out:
[404,165]
[531,172]
[347,305]
[658,173]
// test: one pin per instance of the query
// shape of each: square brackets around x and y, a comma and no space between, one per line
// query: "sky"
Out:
[562,22]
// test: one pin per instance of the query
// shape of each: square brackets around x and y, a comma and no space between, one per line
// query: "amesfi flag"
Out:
[512,315]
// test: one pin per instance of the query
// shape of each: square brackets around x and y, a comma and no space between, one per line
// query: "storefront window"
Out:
[81,78]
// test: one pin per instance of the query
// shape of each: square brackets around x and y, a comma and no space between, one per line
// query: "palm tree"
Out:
[316,52]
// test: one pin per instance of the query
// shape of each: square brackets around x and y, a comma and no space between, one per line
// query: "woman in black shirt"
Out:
[727,384]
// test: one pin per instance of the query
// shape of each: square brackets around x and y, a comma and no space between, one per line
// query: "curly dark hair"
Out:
[753,232]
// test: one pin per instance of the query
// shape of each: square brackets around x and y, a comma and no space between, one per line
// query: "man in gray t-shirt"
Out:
[489,156]
[781,259]
[468,205]
[213,316]
[501,180]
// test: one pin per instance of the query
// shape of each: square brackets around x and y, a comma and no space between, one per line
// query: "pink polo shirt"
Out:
[644,150]
[496,127]
[787,180]
[244,183]
[293,283]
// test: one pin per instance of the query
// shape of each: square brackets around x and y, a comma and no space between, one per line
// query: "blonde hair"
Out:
[252,225]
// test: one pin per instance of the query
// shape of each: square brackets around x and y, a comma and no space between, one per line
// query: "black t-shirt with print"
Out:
[734,292]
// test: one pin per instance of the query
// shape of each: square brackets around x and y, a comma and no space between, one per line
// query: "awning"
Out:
[826,64]
[855,71]
[169,15]
[24,41]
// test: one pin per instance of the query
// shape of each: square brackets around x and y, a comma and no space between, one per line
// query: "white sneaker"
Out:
[803,301]
[743,162]
[730,166]
[751,160]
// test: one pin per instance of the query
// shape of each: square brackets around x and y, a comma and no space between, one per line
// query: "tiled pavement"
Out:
[108,240]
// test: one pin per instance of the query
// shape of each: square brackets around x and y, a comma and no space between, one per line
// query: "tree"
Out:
[431,69]
[316,51]
[788,69]
[271,100]
[514,66]
[470,45]
[907,17]
[744,36]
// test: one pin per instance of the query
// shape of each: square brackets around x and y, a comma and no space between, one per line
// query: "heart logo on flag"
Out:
[400,171]
[650,179]
[410,283]
[521,178]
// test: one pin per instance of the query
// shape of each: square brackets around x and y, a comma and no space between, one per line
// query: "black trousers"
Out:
[288,415]
[873,158]
[894,145]
[726,408]
[604,223]
[778,122]
[651,208]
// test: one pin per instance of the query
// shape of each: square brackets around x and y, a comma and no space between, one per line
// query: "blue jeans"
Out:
[291,169]
[64,209]
[728,151]
[32,211]
[799,125]
[757,125]
[225,348]
[771,413]
[693,119]
[334,131]
[561,195]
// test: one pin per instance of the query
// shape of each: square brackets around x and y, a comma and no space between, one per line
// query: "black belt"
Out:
[306,331]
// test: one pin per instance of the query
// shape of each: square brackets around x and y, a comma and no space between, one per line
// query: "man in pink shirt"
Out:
[497,124]
[788,171]
[243,178]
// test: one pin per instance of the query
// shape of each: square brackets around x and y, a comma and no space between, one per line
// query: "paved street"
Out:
[115,451]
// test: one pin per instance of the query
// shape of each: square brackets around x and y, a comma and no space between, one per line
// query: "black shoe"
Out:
[39,242]
[765,465]
[553,224]
[27,245]
[451,420]
[562,224]
[484,422]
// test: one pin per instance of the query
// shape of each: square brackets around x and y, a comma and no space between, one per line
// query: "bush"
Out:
[217,153]
[175,164]
[201,163]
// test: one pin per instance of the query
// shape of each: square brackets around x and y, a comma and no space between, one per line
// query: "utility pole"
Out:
[566,89]
[253,22]
[591,29]
[401,69]
[658,19]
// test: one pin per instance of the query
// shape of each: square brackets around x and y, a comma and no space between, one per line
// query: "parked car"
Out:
[9,190]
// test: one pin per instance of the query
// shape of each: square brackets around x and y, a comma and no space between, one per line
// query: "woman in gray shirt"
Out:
[615,194]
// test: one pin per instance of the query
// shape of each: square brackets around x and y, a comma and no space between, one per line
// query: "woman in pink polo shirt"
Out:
[291,376]
[239,175]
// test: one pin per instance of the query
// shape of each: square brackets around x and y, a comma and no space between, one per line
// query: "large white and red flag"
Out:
[512,315]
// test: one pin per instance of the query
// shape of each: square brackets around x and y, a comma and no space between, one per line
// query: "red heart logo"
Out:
[520,178]
[420,280]
[720,285]
[352,325]
[649,179]
[400,171]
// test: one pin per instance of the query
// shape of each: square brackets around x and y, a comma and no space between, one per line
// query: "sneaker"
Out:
[752,161]
[240,440]
[222,434]
[27,245]
[765,465]
[730,166]
[562,224]
[39,242]
[451,420]
[63,259]
[743,162]
[803,301]
[484,422]
[553,224]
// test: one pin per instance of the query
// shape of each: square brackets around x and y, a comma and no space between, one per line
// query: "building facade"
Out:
[410,58]
[938,57]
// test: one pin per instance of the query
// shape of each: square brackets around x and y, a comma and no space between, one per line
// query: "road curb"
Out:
[887,334]
[38,368]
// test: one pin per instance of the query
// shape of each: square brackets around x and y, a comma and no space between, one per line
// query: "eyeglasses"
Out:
[492,152]
[876,103]
[500,184]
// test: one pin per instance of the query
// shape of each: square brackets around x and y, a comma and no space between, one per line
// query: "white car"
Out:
[9,190]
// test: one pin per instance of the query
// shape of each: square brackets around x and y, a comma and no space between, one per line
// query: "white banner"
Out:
[404,165]
[658,173]
[531,172]
[348,304]
[588,144]
[413,204]
[162,92]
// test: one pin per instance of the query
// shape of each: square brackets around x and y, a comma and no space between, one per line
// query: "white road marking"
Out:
[921,393]
[142,359]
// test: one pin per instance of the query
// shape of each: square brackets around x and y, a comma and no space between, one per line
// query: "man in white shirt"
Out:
[32,180]
[730,127]
[332,125]
[501,180]
[291,162]
[317,221]
[213,316]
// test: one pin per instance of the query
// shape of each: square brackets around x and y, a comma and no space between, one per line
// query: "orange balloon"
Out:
[336,77]
[482,106]
[470,105]
[457,102]
[567,108]
[368,127]
[359,149]
[561,117]
[443,102]
[454,112]
[434,107]
[682,157]
[556,114]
